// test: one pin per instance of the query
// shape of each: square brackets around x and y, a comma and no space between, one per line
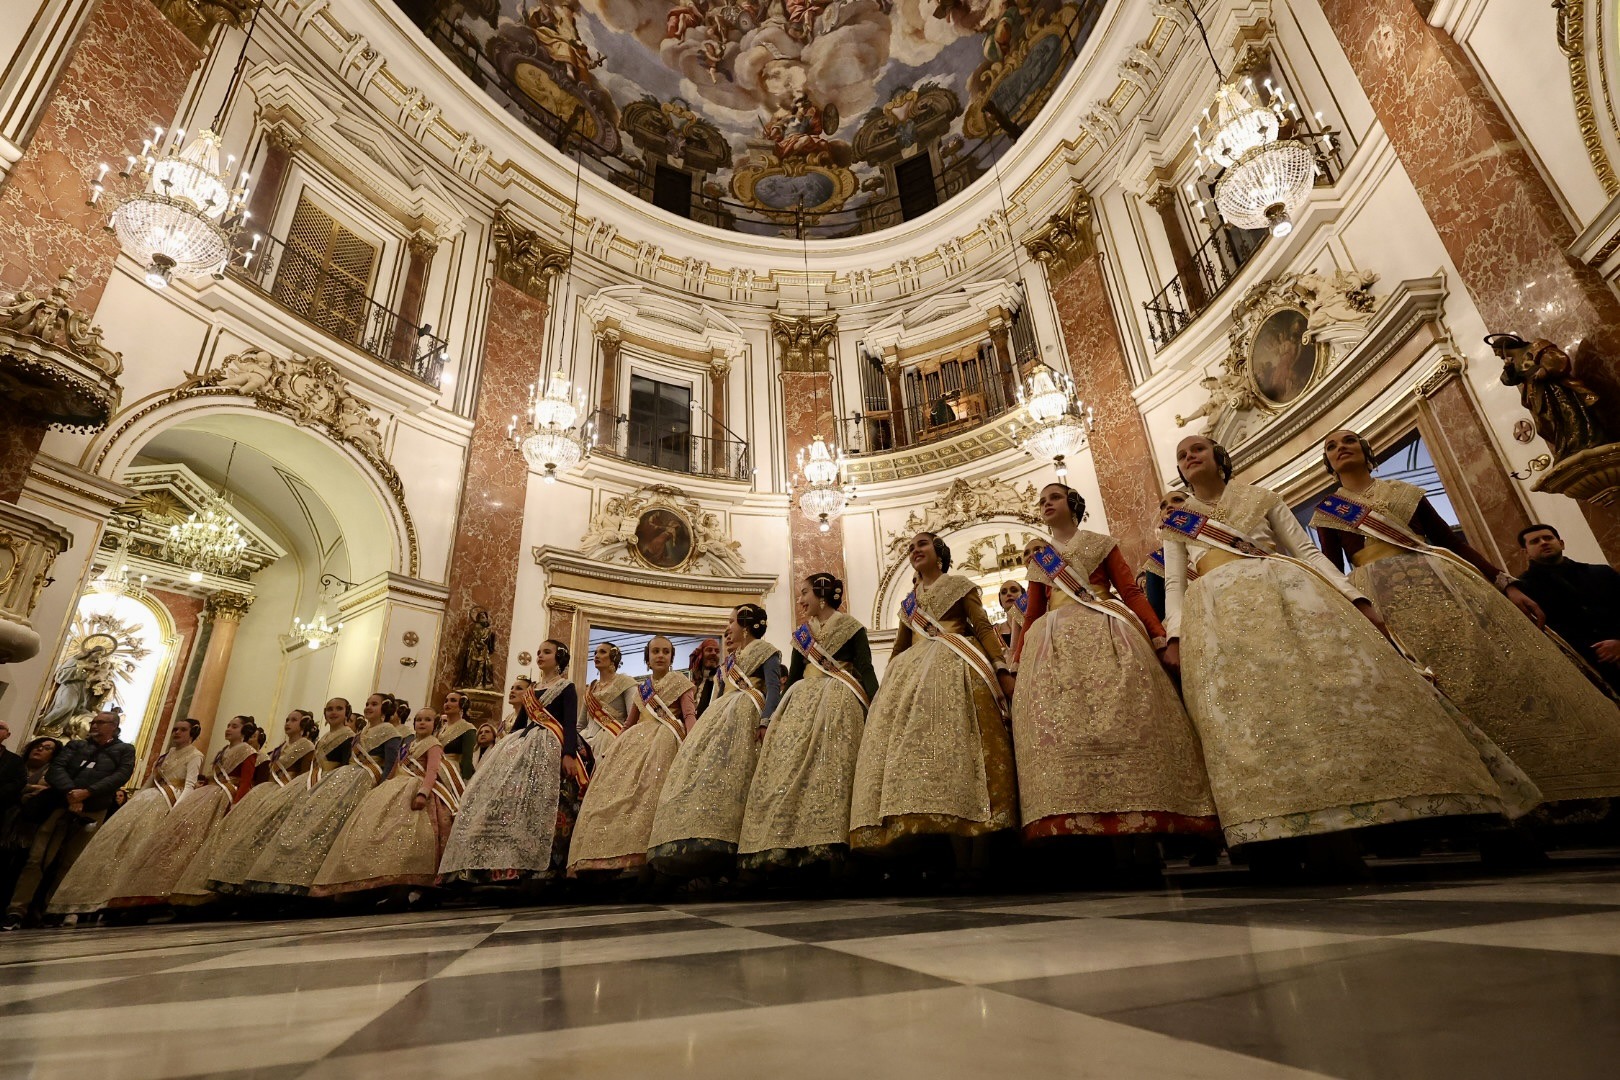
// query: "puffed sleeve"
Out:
[1292,538]
[1175,586]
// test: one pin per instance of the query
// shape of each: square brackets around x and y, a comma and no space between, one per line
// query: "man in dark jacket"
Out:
[1581,600]
[13,774]
[83,780]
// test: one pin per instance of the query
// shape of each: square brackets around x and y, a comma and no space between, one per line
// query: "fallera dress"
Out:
[606,710]
[616,817]
[518,812]
[94,877]
[387,841]
[700,811]
[459,740]
[1491,661]
[797,812]
[936,757]
[1310,722]
[164,857]
[290,862]
[1103,744]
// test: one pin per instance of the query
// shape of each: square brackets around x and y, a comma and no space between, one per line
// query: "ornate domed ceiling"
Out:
[738,113]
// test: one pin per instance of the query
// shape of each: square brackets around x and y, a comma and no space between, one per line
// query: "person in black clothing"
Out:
[13,773]
[1581,600]
[705,672]
[83,780]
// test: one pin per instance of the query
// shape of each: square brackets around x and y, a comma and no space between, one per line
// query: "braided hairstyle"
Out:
[827,588]
[1077,501]
[942,551]
[195,726]
[614,654]
[307,727]
[563,655]
[250,728]
[751,617]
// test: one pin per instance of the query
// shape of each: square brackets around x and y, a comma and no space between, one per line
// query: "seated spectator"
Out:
[81,783]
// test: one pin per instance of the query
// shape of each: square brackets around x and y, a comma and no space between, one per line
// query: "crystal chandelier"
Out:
[183,222]
[1058,422]
[549,441]
[116,578]
[823,497]
[315,634]
[1265,178]
[210,541]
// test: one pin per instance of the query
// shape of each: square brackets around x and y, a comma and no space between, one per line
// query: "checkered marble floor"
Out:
[1432,972]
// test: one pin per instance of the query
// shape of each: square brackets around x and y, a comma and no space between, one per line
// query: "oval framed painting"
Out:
[663,538]
[1282,363]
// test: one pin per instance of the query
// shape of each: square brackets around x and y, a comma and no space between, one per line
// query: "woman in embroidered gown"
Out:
[458,735]
[395,836]
[1014,600]
[1103,745]
[289,863]
[251,833]
[798,805]
[700,811]
[106,861]
[1466,620]
[617,814]
[519,811]
[608,701]
[162,860]
[936,757]
[1310,722]
[284,764]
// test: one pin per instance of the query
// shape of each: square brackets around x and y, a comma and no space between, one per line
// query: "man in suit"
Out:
[83,780]
[1581,600]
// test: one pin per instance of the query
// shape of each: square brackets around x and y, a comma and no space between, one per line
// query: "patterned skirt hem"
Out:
[695,857]
[1361,815]
[1121,823]
[497,876]
[420,881]
[616,862]
[899,827]
[273,888]
[792,858]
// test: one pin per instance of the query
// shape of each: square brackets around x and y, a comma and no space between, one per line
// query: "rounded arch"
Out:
[345,476]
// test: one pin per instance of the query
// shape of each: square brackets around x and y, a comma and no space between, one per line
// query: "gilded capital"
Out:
[1066,239]
[804,343]
[524,259]
[197,18]
[228,606]
[422,245]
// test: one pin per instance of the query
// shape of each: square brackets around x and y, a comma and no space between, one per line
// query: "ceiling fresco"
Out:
[760,115]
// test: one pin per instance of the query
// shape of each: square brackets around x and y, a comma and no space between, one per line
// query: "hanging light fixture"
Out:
[210,541]
[315,634]
[116,578]
[1058,421]
[547,438]
[823,495]
[185,219]
[1265,177]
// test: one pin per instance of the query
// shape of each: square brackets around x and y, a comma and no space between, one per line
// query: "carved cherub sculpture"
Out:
[1343,298]
[1563,407]
[1228,392]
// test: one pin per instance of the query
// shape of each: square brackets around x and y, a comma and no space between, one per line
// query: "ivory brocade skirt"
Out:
[1310,722]
[797,811]
[507,827]
[95,877]
[163,859]
[1102,742]
[386,841]
[935,756]
[699,817]
[1503,673]
[616,816]
[291,860]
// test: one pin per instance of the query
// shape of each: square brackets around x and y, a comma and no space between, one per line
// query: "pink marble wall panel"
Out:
[186,612]
[489,526]
[1457,422]
[1126,477]
[1499,221]
[807,409]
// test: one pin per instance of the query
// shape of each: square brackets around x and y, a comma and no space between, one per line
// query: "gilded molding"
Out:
[52,360]
[1066,240]
[1571,30]
[228,606]
[524,259]
[197,18]
[1448,367]
[804,343]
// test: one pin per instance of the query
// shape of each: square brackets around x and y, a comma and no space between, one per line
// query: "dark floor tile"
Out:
[1375,1010]
[542,933]
[108,967]
[1372,916]
[971,903]
[245,982]
[408,932]
[900,922]
[510,1003]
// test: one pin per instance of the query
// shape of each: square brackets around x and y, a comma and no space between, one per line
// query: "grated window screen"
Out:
[324,273]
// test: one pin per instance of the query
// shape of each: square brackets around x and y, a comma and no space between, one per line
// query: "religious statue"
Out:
[1563,407]
[1342,300]
[1228,391]
[478,654]
[83,683]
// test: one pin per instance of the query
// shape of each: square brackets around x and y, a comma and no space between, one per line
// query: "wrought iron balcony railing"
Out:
[665,447]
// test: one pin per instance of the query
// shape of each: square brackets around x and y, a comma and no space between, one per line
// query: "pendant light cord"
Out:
[236,74]
[1220,75]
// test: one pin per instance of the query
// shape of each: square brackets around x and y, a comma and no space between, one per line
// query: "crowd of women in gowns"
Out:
[1253,693]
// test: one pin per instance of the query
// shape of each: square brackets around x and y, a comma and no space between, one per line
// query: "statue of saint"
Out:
[1563,407]
[478,654]
[83,683]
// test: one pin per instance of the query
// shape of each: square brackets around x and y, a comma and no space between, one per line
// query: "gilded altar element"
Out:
[1563,407]
[52,361]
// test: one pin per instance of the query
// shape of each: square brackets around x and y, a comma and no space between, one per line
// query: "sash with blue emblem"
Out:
[1349,514]
[1062,575]
[812,651]
[736,681]
[655,704]
[917,617]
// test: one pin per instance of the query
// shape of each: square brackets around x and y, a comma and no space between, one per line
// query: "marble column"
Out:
[127,72]
[1499,221]
[224,611]
[269,179]
[608,400]
[804,345]
[719,371]
[1163,200]
[407,344]
[489,523]
[1001,338]
[1126,476]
